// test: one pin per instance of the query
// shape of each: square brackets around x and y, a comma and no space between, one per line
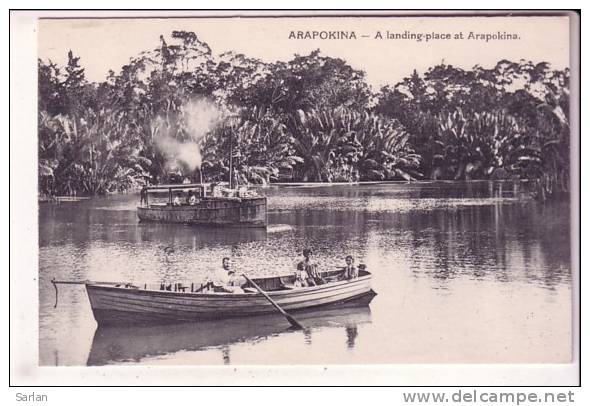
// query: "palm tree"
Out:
[260,148]
[92,153]
[382,147]
[315,136]
[266,147]
[343,144]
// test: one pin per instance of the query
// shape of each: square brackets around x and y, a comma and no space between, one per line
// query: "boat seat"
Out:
[288,286]
[250,290]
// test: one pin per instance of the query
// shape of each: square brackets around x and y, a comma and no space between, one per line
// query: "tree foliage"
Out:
[311,118]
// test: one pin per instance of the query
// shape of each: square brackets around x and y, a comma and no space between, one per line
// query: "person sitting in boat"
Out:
[302,278]
[191,198]
[143,195]
[308,271]
[227,280]
[176,201]
[350,271]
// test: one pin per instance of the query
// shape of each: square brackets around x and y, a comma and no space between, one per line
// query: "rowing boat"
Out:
[127,304]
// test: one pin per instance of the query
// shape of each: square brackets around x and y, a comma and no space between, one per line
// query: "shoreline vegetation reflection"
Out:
[482,257]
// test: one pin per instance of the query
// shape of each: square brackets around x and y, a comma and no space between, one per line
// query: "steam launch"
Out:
[204,204]
[179,200]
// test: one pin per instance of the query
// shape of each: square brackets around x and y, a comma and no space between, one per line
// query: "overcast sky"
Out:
[105,44]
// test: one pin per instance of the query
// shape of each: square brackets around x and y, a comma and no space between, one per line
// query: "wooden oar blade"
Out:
[294,323]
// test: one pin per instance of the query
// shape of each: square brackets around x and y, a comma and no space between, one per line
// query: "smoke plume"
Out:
[179,137]
[179,154]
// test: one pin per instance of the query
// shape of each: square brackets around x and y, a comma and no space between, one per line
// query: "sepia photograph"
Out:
[305,190]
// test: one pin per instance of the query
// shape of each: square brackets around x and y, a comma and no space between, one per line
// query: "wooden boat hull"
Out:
[120,305]
[247,212]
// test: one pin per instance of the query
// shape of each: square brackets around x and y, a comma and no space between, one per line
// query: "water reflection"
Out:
[481,241]
[351,334]
[225,354]
[122,226]
[431,247]
[114,344]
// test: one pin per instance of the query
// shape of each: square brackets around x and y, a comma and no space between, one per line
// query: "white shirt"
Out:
[221,277]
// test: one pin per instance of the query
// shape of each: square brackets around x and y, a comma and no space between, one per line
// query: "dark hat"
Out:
[307,251]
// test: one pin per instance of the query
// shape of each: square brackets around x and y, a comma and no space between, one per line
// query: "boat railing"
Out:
[268,284]
[199,190]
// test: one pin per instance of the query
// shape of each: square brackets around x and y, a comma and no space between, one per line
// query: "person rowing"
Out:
[227,280]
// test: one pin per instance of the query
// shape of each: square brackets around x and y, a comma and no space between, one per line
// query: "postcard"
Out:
[299,192]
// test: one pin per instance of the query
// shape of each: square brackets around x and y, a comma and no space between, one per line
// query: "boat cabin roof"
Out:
[179,186]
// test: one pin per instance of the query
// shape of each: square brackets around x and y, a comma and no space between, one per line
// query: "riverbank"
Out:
[526,187]
[61,199]
[397,182]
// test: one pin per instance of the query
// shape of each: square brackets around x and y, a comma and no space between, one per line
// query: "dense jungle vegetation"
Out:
[180,108]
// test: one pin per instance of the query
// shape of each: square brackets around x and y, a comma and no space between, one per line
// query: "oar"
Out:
[290,318]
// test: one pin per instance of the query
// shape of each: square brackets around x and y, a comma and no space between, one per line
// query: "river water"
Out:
[464,272]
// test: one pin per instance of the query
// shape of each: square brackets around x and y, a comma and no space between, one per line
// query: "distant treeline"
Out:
[313,118]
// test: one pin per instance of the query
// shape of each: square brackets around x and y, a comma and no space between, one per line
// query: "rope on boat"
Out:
[55,286]
[55,283]
[85,282]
